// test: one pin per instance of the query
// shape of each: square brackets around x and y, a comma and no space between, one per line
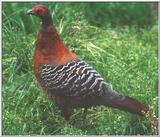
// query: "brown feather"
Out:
[131,105]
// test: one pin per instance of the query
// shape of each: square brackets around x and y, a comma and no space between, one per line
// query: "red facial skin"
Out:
[40,10]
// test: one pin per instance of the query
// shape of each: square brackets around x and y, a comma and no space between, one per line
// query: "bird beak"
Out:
[30,12]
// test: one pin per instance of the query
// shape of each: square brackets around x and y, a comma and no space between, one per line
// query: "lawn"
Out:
[121,47]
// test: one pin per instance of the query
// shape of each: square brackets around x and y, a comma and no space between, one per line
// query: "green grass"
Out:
[126,56]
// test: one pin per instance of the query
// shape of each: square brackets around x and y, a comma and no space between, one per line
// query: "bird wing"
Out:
[78,79]
[75,78]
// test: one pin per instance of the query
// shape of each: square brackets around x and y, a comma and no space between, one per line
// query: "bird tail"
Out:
[129,104]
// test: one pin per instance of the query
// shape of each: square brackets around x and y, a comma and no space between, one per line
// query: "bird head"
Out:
[39,11]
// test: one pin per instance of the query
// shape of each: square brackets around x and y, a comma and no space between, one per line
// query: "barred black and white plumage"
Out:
[84,87]
[76,78]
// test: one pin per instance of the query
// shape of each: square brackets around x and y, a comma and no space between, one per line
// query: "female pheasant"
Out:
[69,80]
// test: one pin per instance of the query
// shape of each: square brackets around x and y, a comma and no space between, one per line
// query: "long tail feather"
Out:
[129,104]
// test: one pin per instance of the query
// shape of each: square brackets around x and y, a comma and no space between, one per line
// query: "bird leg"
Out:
[83,120]
[85,113]
[66,112]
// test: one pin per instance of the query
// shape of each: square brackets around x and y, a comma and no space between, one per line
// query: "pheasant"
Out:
[69,80]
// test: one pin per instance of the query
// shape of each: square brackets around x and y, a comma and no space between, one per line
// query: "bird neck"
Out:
[49,42]
[47,20]
[50,49]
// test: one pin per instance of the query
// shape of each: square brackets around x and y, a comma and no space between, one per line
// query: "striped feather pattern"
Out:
[75,78]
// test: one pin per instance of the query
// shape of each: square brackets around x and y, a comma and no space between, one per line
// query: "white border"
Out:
[158,68]
[82,1]
[1,69]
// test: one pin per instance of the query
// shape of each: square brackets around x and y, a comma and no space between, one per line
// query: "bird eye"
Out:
[39,11]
